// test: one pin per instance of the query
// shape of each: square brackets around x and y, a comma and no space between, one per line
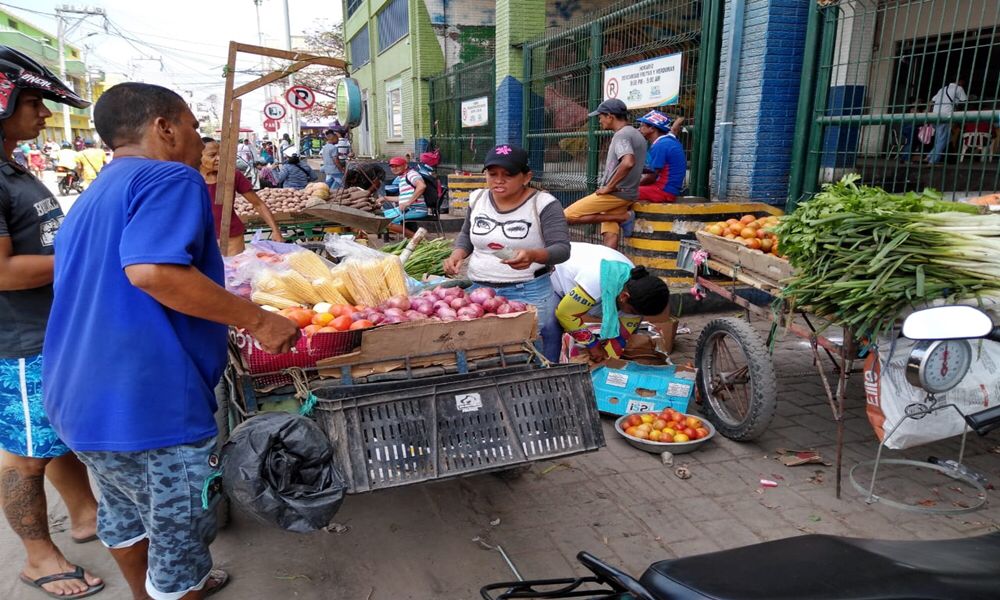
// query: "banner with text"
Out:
[646,84]
[476,112]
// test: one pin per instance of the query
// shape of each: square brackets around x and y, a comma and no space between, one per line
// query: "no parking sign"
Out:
[300,97]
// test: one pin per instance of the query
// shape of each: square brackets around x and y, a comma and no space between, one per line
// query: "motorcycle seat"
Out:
[824,567]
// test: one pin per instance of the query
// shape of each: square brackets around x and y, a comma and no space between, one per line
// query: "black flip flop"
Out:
[77,573]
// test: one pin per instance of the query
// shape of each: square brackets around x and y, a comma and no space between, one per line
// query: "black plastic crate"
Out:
[460,425]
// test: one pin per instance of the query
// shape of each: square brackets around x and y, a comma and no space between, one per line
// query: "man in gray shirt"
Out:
[619,186]
[331,168]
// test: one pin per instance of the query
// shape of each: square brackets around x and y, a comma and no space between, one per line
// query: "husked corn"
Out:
[266,299]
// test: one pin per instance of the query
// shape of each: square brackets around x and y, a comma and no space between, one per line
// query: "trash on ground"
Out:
[794,458]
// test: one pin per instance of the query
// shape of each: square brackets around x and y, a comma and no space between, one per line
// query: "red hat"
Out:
[398,161]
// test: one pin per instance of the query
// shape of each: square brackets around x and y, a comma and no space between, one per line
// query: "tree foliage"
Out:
[327,39]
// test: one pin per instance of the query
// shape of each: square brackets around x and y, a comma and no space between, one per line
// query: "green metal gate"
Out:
[563,77]
[463,147]
[904,92]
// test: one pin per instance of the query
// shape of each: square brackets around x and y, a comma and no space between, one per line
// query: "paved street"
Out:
[619,503]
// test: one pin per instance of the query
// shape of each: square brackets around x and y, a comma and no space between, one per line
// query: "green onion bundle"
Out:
[862,255]
[427,258]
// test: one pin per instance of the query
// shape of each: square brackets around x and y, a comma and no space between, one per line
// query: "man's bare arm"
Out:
[23,272]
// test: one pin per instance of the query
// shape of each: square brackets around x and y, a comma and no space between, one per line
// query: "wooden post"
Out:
[231,109]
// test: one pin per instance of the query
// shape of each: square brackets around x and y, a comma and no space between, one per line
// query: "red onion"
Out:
[479,310]
[501,299]
[480,295]
[446,313]
[458,303]
[393,312]
[441,304]
[504,309]
[468,311]
[490,305]
[358,315]
[394,319]
[453,292]
[376,318]
[413,315]
[465,317]
[425,308]
[516,306]
[400,302]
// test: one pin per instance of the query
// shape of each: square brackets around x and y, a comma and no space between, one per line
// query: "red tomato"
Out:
[677,417]
[300,316]
[361,324]
[309,330]
[701,432]
[688,432]
[342,323]
[327,330]
[632,421]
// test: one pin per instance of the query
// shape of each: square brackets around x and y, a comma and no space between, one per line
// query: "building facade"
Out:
[43,47]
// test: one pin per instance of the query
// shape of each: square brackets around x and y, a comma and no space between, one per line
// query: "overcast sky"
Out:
[190,36]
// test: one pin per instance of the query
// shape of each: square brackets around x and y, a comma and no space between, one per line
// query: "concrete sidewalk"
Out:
[619,503]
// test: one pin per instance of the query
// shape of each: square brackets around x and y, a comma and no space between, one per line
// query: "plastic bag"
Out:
[279,467]
[346,249]
[890,397]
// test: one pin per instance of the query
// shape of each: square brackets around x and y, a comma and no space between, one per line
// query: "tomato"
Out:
[747,219]
[300,316]
[701,432]
[642,435]
[688,432]
[322,319]
[327,330]
[631,431]
[659,424]
[645,427]
[647,418]
[677,417]
[309,330]
[633,420]
[361,324]
[692,422]
[681,438]
[342,323]
[670,431]
[654,436]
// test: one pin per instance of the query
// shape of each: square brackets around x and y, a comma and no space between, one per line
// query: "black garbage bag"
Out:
[279,467]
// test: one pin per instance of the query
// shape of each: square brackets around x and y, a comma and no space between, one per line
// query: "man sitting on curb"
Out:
[609,204]
[666,165]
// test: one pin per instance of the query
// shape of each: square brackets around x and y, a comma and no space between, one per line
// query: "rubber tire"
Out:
[764,384]
[63,189]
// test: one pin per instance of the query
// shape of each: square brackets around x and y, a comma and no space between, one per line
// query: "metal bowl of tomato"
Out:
[685,443]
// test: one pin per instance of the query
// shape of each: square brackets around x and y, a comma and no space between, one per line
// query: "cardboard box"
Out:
[627,387]
[433,343]
[768,267]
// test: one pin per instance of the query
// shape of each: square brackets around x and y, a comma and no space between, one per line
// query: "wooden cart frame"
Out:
[842,355]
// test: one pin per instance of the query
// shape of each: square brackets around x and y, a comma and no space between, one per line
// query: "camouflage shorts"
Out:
[156,494]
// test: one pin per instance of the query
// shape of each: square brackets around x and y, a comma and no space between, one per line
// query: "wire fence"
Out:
[564,82]
[463,144]
[908,95]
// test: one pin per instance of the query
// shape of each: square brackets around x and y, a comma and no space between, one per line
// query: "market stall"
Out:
[855,259]
[477,396]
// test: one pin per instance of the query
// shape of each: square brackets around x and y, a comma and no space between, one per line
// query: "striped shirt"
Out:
[406,183]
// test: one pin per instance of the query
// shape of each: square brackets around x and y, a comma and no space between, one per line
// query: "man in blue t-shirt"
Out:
[666,166]
[137,341]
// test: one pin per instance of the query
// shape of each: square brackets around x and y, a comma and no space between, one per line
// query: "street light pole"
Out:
[293,114]
[60,31]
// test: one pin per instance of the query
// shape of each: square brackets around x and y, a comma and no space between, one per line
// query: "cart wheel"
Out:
[736,379]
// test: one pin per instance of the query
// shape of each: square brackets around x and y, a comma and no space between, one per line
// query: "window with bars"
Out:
[360,49]
[353,5]
[393,23]
[394,108]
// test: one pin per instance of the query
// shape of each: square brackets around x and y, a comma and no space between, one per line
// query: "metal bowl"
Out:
[660,447]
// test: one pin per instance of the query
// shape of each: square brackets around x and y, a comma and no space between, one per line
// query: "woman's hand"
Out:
[522,260]
[276,236]
[453,263]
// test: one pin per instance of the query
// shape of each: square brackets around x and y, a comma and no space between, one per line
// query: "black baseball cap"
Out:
[512,158]
[614,106]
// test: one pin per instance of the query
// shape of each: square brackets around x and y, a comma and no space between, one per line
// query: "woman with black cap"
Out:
[603,282]
[513,235]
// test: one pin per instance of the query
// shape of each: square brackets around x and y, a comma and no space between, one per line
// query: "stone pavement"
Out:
[619,503]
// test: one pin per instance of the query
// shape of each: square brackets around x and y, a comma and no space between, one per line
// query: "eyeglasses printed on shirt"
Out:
[512,230]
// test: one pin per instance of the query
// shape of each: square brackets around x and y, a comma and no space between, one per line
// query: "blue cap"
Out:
[655,118]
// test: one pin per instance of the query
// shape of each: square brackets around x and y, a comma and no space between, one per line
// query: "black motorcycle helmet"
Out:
[18,72]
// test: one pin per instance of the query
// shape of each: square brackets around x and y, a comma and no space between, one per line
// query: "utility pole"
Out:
[62,30]
[293,114]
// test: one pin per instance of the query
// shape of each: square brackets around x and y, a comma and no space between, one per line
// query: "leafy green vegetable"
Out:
[863,255]
[427,258]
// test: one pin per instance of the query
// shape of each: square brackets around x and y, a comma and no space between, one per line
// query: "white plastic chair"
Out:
[976,141]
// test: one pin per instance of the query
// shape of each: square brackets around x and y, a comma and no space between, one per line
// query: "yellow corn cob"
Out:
[307,264]
[338,282]
[394,276]
[363,286]
[328,291]
[263,298]
[299,288]
[268,282]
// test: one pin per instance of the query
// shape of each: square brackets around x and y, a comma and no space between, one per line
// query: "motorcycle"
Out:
[817,567]
[69,181]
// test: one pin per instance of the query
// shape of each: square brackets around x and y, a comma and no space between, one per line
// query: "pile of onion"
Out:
[441,304]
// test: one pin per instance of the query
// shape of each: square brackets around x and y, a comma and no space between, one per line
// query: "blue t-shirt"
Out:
[666,159]
[123,372]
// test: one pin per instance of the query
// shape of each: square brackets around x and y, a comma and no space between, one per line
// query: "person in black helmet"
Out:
[31,449]
[603,282]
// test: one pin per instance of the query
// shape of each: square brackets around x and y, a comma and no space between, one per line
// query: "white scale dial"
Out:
[939,366]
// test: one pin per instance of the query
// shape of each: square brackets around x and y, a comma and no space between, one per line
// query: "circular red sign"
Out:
[300,97]
[271,125]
